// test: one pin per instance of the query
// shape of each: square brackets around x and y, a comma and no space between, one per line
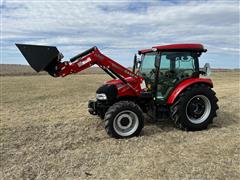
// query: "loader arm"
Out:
[91,57]
[48,58]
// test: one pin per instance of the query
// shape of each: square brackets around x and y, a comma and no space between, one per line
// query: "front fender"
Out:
[184,84]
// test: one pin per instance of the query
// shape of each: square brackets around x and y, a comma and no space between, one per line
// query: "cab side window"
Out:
[185,65]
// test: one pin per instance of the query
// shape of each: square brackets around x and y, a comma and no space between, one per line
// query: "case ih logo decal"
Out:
[84,62]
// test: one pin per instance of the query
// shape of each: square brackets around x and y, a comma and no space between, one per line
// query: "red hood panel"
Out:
[124,90]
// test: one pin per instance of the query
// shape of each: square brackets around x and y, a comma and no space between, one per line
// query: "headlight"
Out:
[101,96]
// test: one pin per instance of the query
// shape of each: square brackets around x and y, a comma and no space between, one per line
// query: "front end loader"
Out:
[165,82]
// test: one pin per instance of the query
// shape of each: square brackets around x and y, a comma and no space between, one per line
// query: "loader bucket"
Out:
[39,57]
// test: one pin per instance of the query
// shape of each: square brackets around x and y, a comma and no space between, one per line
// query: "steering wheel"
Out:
[183,74]
[170,74]
[151,73]
[148,76]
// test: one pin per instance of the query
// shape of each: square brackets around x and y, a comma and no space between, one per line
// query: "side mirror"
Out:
[157,61]
[136,63]
[207,69]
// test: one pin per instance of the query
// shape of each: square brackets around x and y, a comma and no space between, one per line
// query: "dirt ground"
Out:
[47,133]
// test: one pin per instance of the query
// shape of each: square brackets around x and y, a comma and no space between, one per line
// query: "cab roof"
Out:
[175,47]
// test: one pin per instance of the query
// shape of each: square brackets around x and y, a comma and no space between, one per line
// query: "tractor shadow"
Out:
[224,119]
[157,127]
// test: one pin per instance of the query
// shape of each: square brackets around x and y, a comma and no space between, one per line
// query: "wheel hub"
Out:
[126,123]
[198,109]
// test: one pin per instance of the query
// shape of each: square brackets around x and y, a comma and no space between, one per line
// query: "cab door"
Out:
[166,77]
[174,68]
[147,69]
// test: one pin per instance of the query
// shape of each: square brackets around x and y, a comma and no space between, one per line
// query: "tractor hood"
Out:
[124,89]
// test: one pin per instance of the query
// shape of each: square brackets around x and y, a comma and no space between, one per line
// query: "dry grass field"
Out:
[47,133]
[25,70]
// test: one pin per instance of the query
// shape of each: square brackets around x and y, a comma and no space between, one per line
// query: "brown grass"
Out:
[25,70]
[46,132]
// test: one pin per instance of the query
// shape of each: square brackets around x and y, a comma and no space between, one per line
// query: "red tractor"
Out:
[165,81]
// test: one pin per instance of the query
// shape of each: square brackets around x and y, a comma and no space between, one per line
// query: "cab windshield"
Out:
[147,65]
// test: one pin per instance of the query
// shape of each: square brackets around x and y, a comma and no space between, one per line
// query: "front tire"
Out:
[195,108]
[124,119]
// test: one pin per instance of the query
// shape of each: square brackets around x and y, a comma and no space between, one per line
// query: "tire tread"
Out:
[117,107]
[178,117]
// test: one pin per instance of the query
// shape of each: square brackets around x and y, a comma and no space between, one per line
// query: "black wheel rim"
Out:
[198,109]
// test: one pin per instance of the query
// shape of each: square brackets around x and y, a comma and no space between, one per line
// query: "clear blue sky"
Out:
[120,28]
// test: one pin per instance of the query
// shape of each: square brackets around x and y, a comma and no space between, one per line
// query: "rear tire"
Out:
[195,108]
[124,119]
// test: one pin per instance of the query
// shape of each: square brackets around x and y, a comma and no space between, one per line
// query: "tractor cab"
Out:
[164,67]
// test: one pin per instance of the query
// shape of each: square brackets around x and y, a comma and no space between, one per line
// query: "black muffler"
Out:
[41,58]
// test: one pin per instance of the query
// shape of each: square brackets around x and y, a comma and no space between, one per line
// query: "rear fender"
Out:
[186,83]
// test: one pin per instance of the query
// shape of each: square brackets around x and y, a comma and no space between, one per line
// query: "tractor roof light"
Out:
[154,49]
